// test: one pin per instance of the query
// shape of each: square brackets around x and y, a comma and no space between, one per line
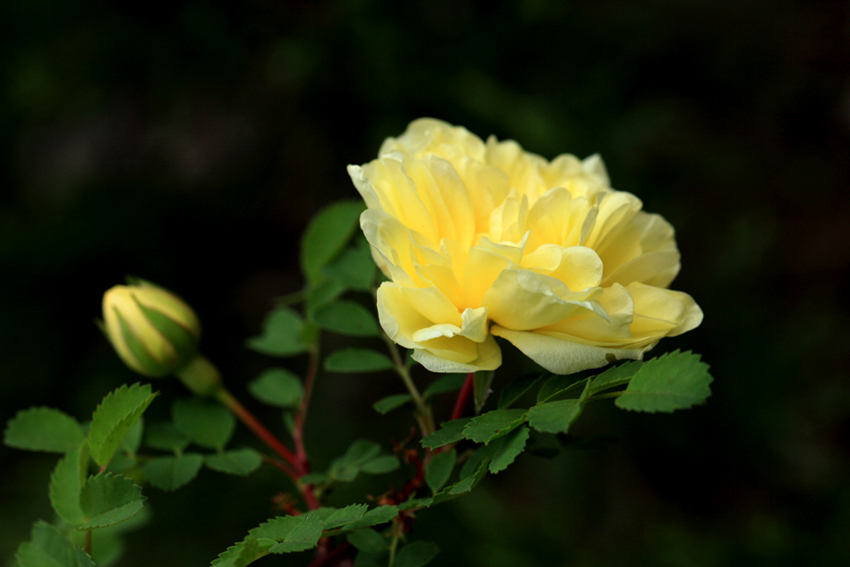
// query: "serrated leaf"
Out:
[206,423]
[507,448]
[116,414]
[493,424]
[449,432]
[471,464]
[347,318]
[375,517]
[48,547]
[615,376]
[444,384]
[481,388]
[107,499]
[388,404]
[354,267]
[559,387]
[165,437]
[439,470]
[303,537]
[416,554]
[170,473]
[66,483]
[677,380]
[277,387]
[276,528]
[345,516]
[520,386]
[357,360]
[380,465]
[367,540]
[243,553]
[240,461]
[43,429]
[284,334]
[558,416]
[327,234]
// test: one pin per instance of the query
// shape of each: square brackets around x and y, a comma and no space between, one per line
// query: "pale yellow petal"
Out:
[562,356]
[489,357]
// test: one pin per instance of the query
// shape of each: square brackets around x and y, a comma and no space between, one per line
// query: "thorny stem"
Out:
[423,411]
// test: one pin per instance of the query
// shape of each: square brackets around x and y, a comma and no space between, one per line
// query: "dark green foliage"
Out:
[439,469]
[357,360]
[48,547]
[43,429]
[284,334]
[326,235]
[170,473]
[677,380]
[347,318]
[416,554]
[277,387]
[107,499]
[239,462]
[385,405]
[450,432]
[115,417]
[205,422]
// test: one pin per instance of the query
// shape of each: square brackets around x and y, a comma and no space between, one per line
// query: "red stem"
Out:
[463,396]
[259,429]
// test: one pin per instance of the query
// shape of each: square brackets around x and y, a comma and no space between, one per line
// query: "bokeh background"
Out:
[190,144]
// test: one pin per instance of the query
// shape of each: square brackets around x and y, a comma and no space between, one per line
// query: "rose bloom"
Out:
[483,239]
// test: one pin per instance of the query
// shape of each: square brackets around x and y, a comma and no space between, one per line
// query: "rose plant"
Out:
[479,242]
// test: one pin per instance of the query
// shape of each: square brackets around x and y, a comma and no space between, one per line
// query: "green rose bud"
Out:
[154,332]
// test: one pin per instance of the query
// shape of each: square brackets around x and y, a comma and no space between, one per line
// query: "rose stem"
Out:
[423,412]
[463,396]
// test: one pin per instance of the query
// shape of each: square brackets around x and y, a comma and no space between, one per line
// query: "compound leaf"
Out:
[677,380]
[43,429]
[116,414]
[107,499]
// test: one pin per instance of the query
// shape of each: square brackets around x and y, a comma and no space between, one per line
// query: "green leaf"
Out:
[449,432]
[240,461]
[206,423]
[345,516]
[439,470]
[347,318]
[380,465]
[416,554]
[357,360]
[559,387]
[276,528]
[114,417]
[243,553]
[388,404]
[133,439]
[482,381]
[165,437]
[493,424]
[511,393]
[615,376]
[354,267]
[304,536]
[48,547]
[43,429]
[277,387]
[314,478]
[558,416]
[677,380]
[323,293]
[445,384]
[375,517]
[361,451]
[170,473]
[367,540]
[66,483]
[327,234]
[107,499]
[506,449]
[471,465]
[284,334]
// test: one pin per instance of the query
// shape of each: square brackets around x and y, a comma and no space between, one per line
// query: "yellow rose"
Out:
[484,239]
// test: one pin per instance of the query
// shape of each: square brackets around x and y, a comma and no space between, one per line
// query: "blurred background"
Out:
[190,144]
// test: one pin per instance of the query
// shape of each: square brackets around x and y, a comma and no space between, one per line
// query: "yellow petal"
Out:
[563,356]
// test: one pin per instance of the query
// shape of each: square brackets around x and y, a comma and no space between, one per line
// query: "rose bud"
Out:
[154,332]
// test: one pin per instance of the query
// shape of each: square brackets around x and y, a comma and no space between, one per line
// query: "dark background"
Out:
[190,145]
